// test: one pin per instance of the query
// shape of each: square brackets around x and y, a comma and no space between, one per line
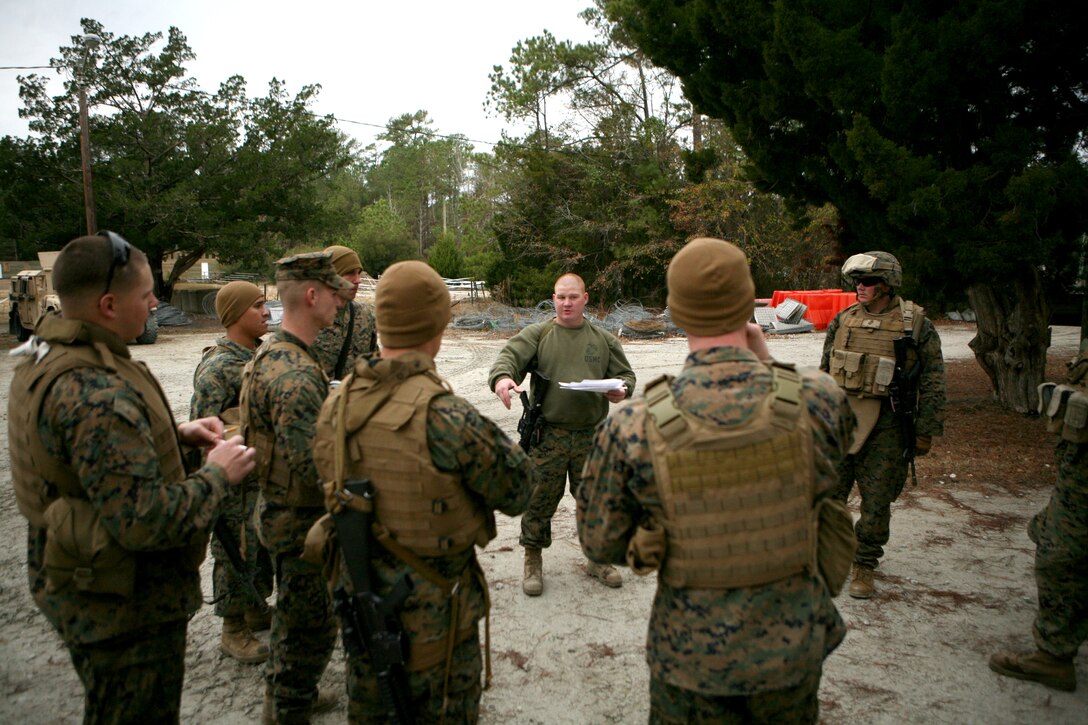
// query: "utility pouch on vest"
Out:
[80,553]
[885,372]
[1075,428]
[835,543]
[846,368]
[1066,410]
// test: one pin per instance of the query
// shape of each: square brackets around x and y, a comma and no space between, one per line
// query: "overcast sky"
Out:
[374,60]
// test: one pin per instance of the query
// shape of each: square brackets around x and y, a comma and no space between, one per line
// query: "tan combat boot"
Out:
[533,585]
[1039,666]
[258,621]
[861,586]
[605,573]
[238,642]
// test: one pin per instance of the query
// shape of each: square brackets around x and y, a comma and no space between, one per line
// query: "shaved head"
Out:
[571,278]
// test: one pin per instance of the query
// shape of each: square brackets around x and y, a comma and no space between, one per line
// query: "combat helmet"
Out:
[873,264]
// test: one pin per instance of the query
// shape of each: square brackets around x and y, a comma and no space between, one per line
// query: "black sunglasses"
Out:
[121,249]
[869,281]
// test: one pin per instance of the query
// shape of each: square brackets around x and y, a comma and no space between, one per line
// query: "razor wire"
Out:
[626,318]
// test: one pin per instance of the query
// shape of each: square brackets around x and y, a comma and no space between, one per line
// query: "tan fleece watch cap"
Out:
[344,259]
[710,288]
[233,299]
[411,304]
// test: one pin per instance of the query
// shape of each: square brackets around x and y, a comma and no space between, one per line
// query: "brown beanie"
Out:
[234,299]
[344,259]
[710,288]
[412,304]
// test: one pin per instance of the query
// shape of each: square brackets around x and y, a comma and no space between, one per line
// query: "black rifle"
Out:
[531,425]
[904,397]
[368,621]
[243,572]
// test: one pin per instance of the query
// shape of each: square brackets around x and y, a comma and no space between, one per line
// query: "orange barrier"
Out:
[822,304]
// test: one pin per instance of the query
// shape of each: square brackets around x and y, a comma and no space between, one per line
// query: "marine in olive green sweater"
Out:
[568,348]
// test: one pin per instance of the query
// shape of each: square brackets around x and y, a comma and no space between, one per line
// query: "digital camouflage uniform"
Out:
[497,476]
[97,423]
[563,355]
[719,655]
[879,467]
[330,341]
[217,383]
[282,397]
[1060,533]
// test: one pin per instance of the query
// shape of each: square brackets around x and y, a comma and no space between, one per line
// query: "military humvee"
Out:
[32,296]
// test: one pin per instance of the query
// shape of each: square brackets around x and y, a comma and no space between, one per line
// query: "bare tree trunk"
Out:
[1013,336]
[184,262]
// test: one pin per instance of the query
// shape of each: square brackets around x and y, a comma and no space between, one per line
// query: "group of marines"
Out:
[729,480]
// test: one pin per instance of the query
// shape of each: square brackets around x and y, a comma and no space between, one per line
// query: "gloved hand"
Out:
[922,444]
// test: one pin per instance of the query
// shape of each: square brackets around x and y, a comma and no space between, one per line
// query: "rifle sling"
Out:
[450,589]
[339,369]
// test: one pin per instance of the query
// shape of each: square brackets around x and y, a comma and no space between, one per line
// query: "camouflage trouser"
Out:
[303,625]
[365,705]
[136,677]
[671,705]
[1060,532]
[230,599]
[880,472]
[561,454]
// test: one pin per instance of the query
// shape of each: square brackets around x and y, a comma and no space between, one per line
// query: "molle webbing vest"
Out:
[863,356]
[1065,406]
[273,471]
[39,478]
[425,510]
[737,499]
[382,435]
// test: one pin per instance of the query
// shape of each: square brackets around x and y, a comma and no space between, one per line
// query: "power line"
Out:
[565,147]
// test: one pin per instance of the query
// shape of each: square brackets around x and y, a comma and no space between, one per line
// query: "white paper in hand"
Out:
[595,386]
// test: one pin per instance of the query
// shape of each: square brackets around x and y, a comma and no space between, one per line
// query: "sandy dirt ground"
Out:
[950,592]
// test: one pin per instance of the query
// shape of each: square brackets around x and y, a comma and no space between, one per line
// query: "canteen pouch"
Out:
[79,552]
[835,543]
[322,548]
[646,549]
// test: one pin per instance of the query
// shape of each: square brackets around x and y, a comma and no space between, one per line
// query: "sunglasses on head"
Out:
[121,249]
[869,281]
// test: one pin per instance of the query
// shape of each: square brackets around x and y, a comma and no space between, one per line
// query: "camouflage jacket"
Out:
[731,641]
[495,471]
[929,415]
[285,394]
[94,421]
[364,339]
[217,380]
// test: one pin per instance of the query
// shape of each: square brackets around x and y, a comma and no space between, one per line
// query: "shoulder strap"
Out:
[339,369]
[670,421]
